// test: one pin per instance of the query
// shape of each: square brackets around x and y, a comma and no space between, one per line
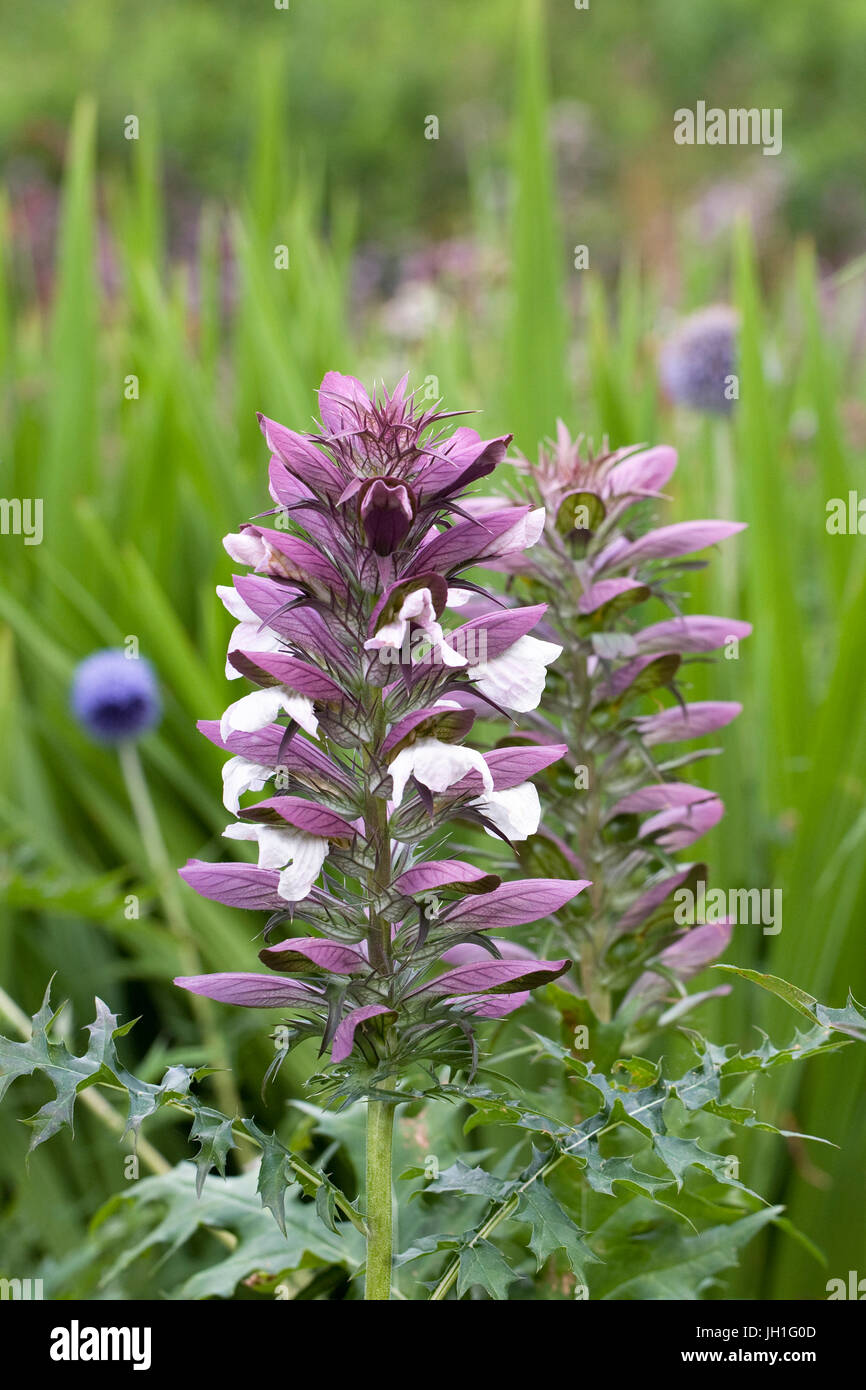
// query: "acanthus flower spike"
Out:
[616,805]
[356,734]
[356,730]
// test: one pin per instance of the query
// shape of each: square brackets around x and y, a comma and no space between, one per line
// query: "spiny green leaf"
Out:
[482,1264]
[70,1074]
[213,1132]
[767,1057]
[274,1175]
[473,1182]
[851,1019]
[642,1108]
[173,1216]
[601,1174]
[552,1228]
[677,1266]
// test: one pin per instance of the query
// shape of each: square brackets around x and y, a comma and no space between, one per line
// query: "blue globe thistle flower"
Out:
[698,360]
[115,696]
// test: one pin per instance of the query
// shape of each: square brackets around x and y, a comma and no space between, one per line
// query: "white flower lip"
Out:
[249,635]
[515,680]
[298,855]
[516,812]
[261,707]
[418,608]
[242,775]
[437,766]
[457,598]
[246,547]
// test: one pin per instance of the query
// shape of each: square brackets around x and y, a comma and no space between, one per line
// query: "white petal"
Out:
[274,841]
[255,637]
[245,546]
[400,770]
[534,526]
[251,637]
[389,635]
[257,710]
[280,846]
[439,650]
[436,765]
[511,684]
[252,712]
[234,604]
[276,845]
[447,654]
[458,597]
[516,812]
[308,855]
[536,650]
[300,708]
[241,775]
[297,855]
[418,606]
[516,678]
[241,830]
[520,536]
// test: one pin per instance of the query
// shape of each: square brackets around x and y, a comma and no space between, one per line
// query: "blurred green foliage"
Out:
[360,80]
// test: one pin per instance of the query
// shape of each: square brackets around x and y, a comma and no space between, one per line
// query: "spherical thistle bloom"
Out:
[115,696]
[366,690]
[699,359]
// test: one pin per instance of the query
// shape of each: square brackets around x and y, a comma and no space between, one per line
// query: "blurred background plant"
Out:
[281,213]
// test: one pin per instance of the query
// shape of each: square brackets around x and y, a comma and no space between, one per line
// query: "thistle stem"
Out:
[164,874]
[726,508]
[379,1217]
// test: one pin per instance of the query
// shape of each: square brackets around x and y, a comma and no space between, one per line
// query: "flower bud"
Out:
[387,509]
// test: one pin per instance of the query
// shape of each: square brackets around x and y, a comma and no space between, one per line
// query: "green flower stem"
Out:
[725,505]
[380,1113]
[166,879]
[379,1218]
